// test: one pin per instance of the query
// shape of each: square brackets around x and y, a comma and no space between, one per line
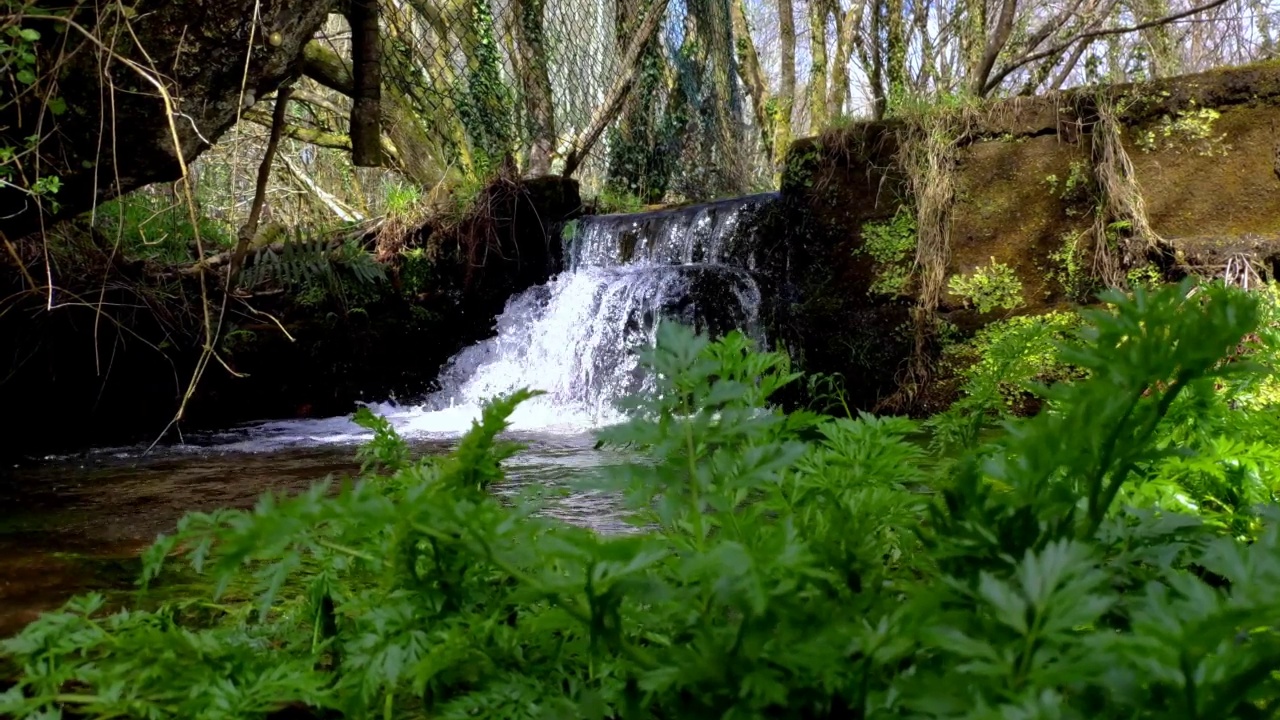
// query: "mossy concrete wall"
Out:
[1205,153]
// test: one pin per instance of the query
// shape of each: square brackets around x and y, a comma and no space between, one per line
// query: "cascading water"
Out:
[576,337]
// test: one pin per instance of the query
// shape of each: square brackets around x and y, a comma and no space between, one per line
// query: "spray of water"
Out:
[576,338]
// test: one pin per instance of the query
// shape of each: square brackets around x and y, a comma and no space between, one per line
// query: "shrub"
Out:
[1003,369]
[1190,129]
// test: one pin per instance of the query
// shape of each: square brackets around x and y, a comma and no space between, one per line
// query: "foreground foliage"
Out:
[1109,557]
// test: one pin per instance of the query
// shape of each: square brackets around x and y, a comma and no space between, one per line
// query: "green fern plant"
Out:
[312,261]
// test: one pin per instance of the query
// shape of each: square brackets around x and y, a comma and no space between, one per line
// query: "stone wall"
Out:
[1205,154]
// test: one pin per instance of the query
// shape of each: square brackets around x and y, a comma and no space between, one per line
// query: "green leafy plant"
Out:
[418,271]
[789,565]
[990,287]
[1190,129]
[1002,371]
[19,58]
[402,200]
[1147,276]
[158,226]
[1075,189]
[314,266]
[892,245]
[1069,267]
[613,200]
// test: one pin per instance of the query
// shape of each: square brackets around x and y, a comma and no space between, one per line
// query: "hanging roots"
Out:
[928,155]
[1123,236]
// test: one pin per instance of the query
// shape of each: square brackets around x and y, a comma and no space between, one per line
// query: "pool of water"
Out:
[75,524]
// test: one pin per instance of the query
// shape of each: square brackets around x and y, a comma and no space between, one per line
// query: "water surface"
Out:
[77,524]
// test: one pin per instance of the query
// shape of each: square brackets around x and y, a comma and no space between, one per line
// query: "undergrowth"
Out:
[781,565]
[156,226]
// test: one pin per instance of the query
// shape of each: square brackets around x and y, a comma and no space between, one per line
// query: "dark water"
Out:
[74,525]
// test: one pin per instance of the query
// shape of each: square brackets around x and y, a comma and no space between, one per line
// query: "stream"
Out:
[76,524]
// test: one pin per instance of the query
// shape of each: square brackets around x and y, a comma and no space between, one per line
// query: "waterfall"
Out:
[576,338]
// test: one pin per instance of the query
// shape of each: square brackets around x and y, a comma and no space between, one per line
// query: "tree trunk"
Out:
[787,83]
[818,67]
[847,26]
[161,106]
[875,76]
[994,44]
[896,55]
[366,108]
[535,81]
[406,145]
[1164,51]
[752,74]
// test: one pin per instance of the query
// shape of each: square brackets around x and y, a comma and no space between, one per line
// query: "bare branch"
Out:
[999,77]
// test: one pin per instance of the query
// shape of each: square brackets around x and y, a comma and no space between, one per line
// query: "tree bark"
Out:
[194,49]
[995,42]
[817,100]
[535,81]
[896,55]
[847,27]
[366,108]
[752,74]
[787,83]
[404,144]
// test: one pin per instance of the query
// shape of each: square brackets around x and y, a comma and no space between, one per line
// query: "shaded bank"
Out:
[111,362]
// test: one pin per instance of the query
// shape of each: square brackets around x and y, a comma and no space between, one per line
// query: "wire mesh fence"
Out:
[668,100]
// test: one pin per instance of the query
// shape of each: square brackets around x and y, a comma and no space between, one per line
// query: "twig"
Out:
[17,260]
[250,228]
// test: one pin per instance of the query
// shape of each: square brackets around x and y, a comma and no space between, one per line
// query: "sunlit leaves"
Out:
[783,565]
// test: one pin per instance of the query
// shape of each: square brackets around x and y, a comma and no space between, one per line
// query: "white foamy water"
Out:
[576,338]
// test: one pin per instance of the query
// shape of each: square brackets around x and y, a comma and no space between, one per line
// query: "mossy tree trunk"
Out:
[366,108]
[787,83]
[817,99]
[138,109]
[752,74]
[895,54]
[535,80]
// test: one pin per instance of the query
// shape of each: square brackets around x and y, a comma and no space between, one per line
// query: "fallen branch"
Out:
[609,109]
[343,211]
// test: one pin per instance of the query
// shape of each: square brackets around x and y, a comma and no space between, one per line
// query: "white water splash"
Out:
[576,338]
